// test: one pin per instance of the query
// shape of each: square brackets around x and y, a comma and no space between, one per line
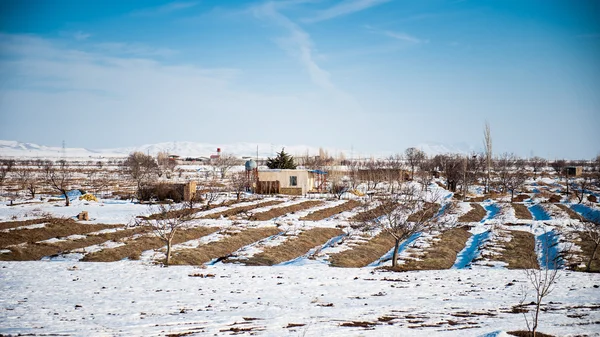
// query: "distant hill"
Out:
[15,149]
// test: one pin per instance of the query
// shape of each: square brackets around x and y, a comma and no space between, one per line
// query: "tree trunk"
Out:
[67,201]
[395,255]
[589,264]
[168,260]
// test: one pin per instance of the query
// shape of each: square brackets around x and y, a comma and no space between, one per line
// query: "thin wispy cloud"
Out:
[165,9]
[132,49]
[300,44]
[344,8]
[401,36]
[81,36]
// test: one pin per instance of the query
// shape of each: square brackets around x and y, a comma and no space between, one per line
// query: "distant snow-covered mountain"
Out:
[15,149]
[432,149]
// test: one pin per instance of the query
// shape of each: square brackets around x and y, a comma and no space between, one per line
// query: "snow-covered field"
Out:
[135,299]
[305,296]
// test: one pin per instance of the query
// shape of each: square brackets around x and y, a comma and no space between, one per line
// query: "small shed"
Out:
[574,171]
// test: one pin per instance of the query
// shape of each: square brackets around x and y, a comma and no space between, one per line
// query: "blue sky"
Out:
[374,75]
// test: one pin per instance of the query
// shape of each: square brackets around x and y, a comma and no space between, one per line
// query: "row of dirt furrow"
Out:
[38,250]
[522,212]
[134,247]
[242,209]
[364,253]
[223,248]
[56,228]
[476,214]
[331,211]
[279,211]
[20,223]
[293,248]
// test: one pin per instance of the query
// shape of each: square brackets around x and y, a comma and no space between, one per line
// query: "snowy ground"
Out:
[132,298]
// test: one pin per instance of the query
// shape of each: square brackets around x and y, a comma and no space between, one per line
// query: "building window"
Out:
[293,181]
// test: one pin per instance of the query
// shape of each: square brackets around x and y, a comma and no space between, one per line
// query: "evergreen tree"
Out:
[282,161]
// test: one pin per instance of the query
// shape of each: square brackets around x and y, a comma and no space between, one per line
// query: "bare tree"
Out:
[405,214]
[239,182]
[5,167]
[338,187]
[542,280]
[165,220]
[487,144]
[425,174]
[453,169]
[503,166]
[209,191]
[27,179]
[516,177]
[537,164]
[165,165]
[59,177]
[560,168]
[581,185]
[413,158]
[140,168]
[590,228]
[224,163]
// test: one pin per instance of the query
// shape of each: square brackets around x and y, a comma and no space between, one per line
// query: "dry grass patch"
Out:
[36,251]
[476,214]
[331,211]
[222,248]
[519,252]
[442,253]
[364,253]
[133,248]
[294,248]
[15,224]
[241,209]
[522,212]
[368,215]
[275,212]
[56,228]
[572,214]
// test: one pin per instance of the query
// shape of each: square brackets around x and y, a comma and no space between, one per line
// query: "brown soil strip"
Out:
[368,215]
[275,212]
[522,212]
[476,214]
[441,254]
[134,248]
[572,214]
[222,248]
[327,212]
[293,248]
[36,251]
[56,228]
[189,211]
[364,253]
[519,252]
[242,209]
[15,224]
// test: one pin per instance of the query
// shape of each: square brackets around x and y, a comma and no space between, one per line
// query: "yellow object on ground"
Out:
[357,193]
[88,197]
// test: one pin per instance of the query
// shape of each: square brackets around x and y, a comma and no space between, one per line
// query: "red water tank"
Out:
[218,150]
